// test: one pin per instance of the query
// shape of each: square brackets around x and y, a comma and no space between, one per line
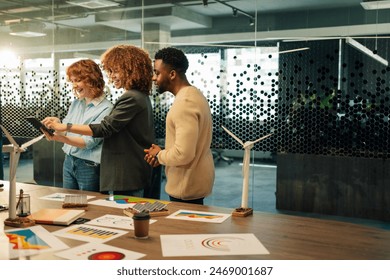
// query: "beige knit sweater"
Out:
[189,165]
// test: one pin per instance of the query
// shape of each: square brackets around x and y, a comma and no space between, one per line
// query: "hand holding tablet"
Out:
[38,125]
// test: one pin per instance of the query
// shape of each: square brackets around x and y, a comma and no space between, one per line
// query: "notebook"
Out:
[56,216]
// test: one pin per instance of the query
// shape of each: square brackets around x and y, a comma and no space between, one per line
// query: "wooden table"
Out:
[286,237]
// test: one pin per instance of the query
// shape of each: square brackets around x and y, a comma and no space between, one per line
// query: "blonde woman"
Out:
[81,169]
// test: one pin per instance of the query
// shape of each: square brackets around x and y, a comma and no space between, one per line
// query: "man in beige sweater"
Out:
[189,165]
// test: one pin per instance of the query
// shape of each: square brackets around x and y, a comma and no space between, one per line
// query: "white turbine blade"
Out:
[32,141]
[262,138]
[234,136]
[9,137]
[8,148]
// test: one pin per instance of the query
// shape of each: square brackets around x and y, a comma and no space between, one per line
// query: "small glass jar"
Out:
[23,205]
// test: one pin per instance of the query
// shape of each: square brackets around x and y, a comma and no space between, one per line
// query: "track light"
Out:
[237,11]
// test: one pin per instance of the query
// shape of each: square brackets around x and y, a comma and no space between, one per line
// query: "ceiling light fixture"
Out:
[237,11]
[376,4]
[366,50]
[93,4]
[27,34]
[28,29]
[294,50]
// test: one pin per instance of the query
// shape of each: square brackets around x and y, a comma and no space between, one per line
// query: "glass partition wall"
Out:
[319,85]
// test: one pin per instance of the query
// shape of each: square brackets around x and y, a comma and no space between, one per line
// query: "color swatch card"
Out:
[115,221]
[177,245]
[96,251]
[89,233]
[32,241]
[190,215]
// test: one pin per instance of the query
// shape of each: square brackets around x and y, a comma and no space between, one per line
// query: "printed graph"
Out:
[90,233]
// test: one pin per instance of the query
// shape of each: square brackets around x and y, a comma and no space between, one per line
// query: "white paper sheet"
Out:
[32,241]
[211,245]
[198,216]
[115,221]
[89,233]
[95,251]
[123,202]
[60,197]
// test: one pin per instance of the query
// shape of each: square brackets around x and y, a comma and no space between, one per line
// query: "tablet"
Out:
[38,125]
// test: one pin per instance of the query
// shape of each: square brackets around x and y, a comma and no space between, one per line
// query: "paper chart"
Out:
[95,251]
[115,221]
[198,216]
[123,202]
[60,197]
[89,233]
[32,241]
[177,245]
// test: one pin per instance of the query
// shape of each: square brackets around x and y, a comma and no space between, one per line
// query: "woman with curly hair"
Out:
[129,128]
[81,166]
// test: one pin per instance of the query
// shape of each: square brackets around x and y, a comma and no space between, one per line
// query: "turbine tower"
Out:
[244,210]
[15,150]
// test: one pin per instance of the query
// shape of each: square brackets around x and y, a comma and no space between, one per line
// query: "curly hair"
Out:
[174,58]
[134,65]
[88,71]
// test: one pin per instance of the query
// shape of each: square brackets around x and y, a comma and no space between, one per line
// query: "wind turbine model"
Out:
[14,150]
[244,210]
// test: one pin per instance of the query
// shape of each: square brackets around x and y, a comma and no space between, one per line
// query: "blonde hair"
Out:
[88,71]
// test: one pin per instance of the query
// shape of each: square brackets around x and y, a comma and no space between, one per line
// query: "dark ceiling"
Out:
[95,25]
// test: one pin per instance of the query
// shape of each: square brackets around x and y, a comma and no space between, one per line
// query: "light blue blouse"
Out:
[80,113]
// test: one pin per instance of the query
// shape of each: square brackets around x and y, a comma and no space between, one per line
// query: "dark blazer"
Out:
[127,131]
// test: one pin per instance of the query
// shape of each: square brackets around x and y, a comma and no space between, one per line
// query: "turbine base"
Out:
[242,212]
[20,222]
